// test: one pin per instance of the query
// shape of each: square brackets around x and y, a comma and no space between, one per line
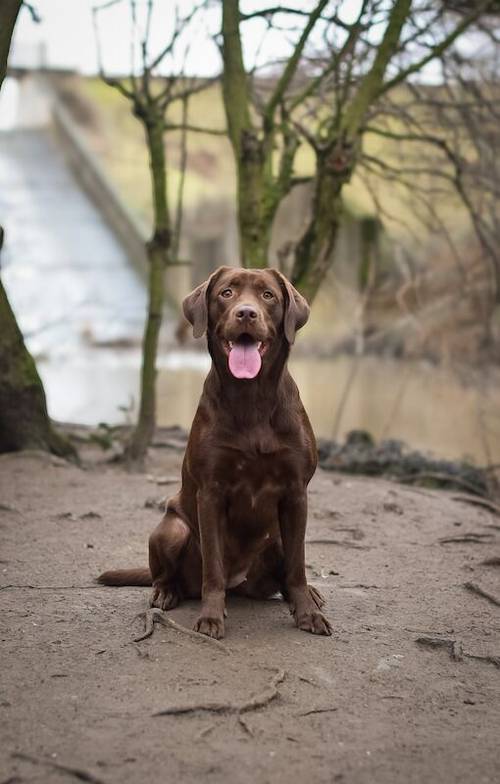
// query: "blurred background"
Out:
[408,350]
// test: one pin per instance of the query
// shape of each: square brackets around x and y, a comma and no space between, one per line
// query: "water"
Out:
[75,295]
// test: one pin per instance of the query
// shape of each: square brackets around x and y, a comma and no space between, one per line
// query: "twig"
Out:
[154,614]
[78,773]
[478,501]
[254,703]
[33,12]
[475,588]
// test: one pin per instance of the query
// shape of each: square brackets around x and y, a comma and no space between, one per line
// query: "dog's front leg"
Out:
[213,592]
[293,519]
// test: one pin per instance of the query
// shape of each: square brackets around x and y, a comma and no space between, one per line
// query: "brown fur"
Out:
[238,522]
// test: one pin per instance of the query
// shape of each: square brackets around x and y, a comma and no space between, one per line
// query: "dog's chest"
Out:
[254,486]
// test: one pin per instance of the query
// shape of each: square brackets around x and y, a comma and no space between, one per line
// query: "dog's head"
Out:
[249,316]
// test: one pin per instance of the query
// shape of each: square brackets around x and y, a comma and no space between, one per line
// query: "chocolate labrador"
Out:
[239,520]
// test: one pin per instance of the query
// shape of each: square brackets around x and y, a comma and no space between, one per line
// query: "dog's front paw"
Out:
[211,626]
[165,597]
[313,622]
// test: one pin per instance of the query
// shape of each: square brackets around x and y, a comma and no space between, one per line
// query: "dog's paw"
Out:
[164,597]
[314,622]
[211,626]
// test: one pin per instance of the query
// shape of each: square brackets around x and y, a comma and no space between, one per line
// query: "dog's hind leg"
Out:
[166,545]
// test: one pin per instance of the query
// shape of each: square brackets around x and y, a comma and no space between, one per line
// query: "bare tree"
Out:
[151,94]
[24,421]
[341,68]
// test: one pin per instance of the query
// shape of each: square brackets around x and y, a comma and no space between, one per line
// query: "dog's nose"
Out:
[246,312]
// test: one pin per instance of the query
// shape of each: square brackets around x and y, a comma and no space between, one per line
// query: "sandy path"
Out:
[78,693]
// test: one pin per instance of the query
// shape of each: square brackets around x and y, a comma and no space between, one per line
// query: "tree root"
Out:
[477,500]
[78,773]
[456,650]
[51,587]
[155,615]
[475,588]
[316,710]
[471,538]
[254,703]
[453,647]
[494,561]
[339,543]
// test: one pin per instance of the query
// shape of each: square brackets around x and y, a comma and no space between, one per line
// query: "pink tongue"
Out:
[244,360]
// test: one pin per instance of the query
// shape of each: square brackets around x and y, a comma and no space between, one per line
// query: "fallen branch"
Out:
[254,703]
[155,615]
[78,773]
[475,588]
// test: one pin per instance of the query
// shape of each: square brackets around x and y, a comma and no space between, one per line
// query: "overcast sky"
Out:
[67,35]
[66,31]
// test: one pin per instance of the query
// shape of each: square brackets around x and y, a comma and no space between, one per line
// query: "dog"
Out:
[238,523]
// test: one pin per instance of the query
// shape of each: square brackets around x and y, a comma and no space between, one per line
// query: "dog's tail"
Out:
[126,577]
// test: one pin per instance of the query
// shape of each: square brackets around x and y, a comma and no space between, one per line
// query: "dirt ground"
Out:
[369,704]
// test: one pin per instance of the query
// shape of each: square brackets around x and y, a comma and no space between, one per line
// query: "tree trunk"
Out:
[255,211]
[158,255]
[9,10]
[251,154]
[312,254]
[24,422]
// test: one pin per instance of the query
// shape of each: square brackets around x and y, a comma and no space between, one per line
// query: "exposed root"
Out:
[477,500]
[495,561]
[155,615]
[453,647]
[316,710]
[245,725]
[495,660]
[51,587]
[78,773]
[456,650]
[339,543]
[205,731]
[475,588]
[471,538]
[254,703]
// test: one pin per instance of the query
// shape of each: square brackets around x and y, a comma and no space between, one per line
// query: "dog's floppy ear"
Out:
[195,305]
[296,307]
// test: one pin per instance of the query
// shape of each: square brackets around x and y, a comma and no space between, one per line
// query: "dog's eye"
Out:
[226,293]
[268,295]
